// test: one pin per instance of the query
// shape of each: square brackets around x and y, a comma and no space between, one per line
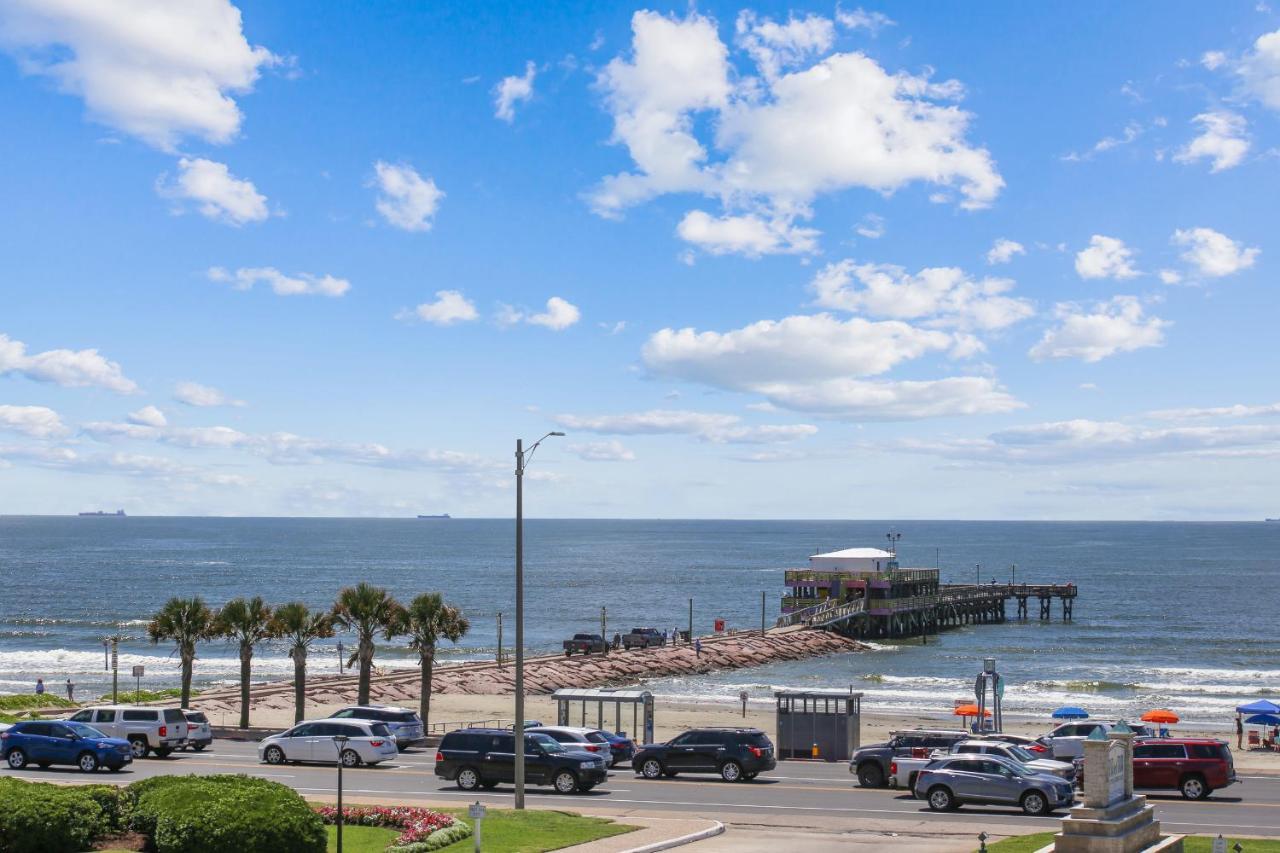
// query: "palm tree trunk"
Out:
[366,665]
[188,657]
[246,655]
[299,656]
[428,661]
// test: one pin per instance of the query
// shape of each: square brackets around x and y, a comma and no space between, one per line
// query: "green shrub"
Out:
[131,794]
[42,818]
[437,840]
[24,701]
[146,695]
[225,814]
[108,799]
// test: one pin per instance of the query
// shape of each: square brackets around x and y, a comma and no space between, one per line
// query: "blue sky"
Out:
[757,261]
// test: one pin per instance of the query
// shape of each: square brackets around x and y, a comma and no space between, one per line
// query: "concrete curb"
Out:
[700,835]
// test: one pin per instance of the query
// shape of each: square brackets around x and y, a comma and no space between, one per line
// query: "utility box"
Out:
[825,722]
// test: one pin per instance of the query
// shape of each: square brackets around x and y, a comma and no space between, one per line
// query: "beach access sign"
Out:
[1116,754]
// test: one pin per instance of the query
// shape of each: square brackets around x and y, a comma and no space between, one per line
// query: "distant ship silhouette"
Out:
[117,514]
[442,515]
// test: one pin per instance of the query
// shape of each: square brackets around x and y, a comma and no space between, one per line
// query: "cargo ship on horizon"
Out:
[441,515]
[117,514]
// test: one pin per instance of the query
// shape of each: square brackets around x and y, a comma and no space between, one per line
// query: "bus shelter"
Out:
[825,724]
[574,708]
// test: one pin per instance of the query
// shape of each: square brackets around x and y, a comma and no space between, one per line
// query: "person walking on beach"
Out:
[71,689]
[39,686]
[1239,733]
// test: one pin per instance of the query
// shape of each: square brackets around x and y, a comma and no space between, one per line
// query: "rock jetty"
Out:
[546,674]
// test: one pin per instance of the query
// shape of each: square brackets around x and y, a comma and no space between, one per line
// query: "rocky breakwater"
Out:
[548,673]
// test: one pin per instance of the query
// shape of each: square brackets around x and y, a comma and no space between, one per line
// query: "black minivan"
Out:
[735,754]
[483,758]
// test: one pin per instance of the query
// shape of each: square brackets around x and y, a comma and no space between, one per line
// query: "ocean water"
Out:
[1179,615]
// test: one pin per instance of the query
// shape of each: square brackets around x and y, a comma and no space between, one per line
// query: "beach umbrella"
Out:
[1070,712]
[1262,720]
[1261,706]
[1160,716]
[969,711]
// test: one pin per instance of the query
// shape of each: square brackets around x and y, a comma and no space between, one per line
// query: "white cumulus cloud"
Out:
[1259,70]
[748,235]
[35,421]
[774,46]
[216,193]
[68,368]
[602,451]
[449,307]
[1223,139]
[1212,253]
[1105,257]
[202,396]
[148,416]
[1003,250]
[154,69]
[1092,334]
[712,427]
[406,200]
[558,315]
[513,90]
[301,284]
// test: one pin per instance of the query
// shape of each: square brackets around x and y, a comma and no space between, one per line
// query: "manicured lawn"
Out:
[1194,844]
[509,831]
[361,839]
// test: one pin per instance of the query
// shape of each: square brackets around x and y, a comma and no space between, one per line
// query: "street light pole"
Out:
[340,741]
[522,459]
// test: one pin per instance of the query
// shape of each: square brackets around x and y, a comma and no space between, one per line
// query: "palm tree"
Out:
[185,621]
[246,622]
[300,627]
[426,621]
[366,610]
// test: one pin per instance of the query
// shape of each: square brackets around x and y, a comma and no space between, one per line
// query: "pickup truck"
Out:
[871,764]
[586,644]
[643,638]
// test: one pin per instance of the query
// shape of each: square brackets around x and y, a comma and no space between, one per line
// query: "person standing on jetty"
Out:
[71,689]
[39,686]
[697,648]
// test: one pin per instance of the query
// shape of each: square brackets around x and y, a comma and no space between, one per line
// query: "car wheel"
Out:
[138,746]
[585,787]
[651,769]
[731,771]
[870,775]
[565,782]
[1034,803]
[274,755]
[349,758]
[468,779]
[17,759]
[942,800]
[163,752]
[749,776]
[199,747]
[1194,788]
[88,762]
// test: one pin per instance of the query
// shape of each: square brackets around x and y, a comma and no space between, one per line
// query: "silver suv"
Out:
[948,783]
[148,730]
[404,723]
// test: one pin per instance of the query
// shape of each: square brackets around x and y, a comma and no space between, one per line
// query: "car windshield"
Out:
[1019,754]
[380,729]
[547,742]
[83,730]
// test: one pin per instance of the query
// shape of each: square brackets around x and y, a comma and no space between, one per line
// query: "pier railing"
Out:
[798,576]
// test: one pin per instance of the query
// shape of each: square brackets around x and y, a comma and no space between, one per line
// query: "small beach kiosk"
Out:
[824,724]
[638,702]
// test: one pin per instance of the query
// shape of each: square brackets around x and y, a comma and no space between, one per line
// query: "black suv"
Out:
[482,758]
[736,754]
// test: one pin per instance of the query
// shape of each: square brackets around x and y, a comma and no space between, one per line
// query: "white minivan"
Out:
[148,730]
[368,742]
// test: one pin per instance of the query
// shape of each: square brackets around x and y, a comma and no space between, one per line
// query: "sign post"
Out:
[476,811]
[137,674]
[743,696]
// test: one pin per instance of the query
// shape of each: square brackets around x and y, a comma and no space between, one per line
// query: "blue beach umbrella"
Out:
[1070,712]
[1262,720]
[1261,706]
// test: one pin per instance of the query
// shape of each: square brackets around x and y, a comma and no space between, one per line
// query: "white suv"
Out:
[1066,742]
[158,730]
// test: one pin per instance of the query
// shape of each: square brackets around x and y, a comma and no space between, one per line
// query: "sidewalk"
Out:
[655,833]
[758,839]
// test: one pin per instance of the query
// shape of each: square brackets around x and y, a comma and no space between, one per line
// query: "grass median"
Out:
[1193,844]
[504,831]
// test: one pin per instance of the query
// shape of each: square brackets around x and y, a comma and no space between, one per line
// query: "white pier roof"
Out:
[854,554]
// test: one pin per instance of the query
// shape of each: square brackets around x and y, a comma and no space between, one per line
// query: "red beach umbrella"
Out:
[969,711]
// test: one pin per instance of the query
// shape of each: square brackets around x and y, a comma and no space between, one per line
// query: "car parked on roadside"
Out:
[1018,755]
[1066,742]
[593,741]
[948,783]
[149,730]
[736,754]
[368,742]
[643,638]
[1194,766]
[404,723]
[1029,743]
[199,732]
[622,747]
[48,742]
[871,763]
[485,758]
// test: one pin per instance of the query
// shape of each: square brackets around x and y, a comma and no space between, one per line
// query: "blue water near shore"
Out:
[1180,615]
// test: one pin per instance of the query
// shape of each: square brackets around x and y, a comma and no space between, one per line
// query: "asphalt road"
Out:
[787,796]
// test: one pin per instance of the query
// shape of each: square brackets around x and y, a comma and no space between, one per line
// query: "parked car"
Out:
[147,729]
[47,742]
[199,733]
[1195,766]
[1018,755]
[369,743]
[957,780]
[622,747]
[483,758]
[595,741]
[585,644]
[404,723]
[736,754]
[1029,743]
[1066,742]
[871,763]
[643,638]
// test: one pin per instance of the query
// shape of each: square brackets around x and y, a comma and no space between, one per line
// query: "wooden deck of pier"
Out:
[952,606]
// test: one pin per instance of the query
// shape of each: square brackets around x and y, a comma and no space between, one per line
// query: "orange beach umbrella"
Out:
[1160,715]
[969,711]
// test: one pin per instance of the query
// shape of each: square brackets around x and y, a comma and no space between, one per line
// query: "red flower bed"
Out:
[416,824]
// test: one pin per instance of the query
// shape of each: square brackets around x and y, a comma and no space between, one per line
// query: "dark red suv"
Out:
[1195,766]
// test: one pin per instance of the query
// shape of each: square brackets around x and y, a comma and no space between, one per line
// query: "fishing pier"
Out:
[863,593]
